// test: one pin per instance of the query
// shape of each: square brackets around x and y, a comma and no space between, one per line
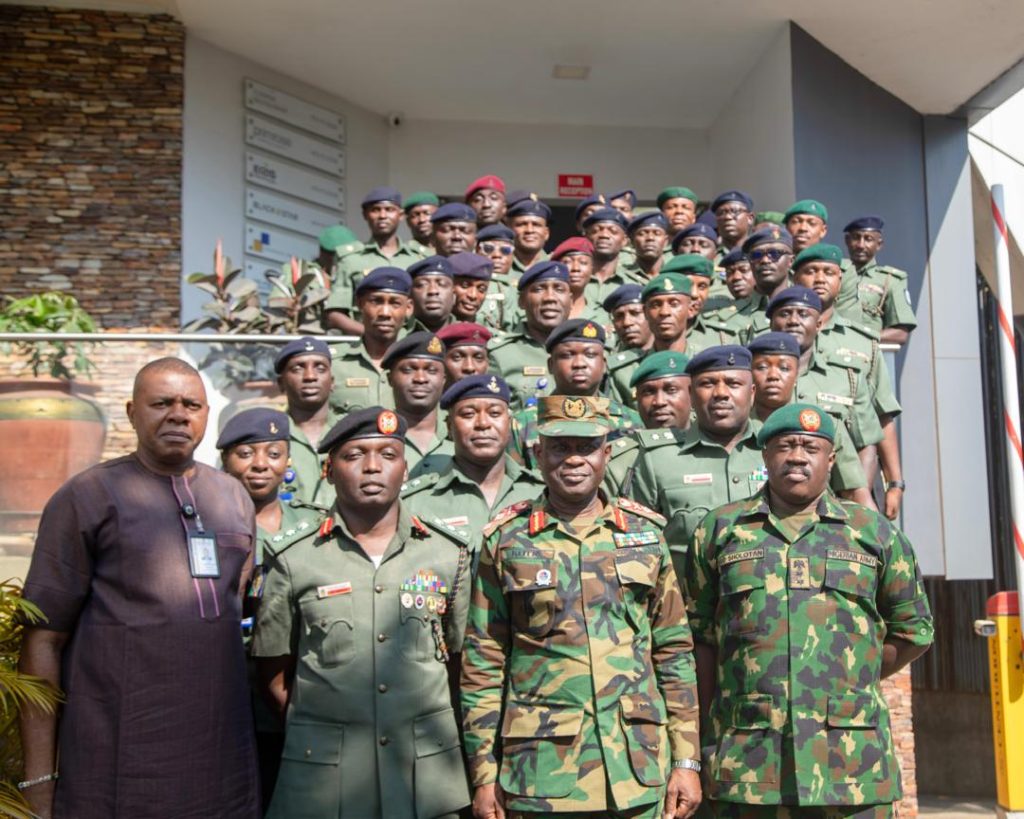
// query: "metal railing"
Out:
[201,338]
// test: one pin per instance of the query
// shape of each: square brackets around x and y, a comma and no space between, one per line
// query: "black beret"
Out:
[530,206]
[542,271]
[732,196]
[391,279]
[431,266]
[775,344]
[606,215]
[421,344]
[372,422]
[575,330]
[733,257]
[696,229]
[593,199]
[794,295]
[453,212]
[865,223]
[301,346]
[768,236]
[653,218]
[628,194]
[498,232]
[471,265]
[385,193]
[726,357]
[623,294]
[476,386]
[254,426]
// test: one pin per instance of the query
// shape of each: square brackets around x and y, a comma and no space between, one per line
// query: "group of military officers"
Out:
[590,534]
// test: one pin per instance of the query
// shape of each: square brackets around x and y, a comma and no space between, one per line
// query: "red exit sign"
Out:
[575,185]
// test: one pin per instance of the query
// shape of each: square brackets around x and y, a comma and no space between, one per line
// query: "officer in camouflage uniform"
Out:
[577,681]
[358,620]
[800,604]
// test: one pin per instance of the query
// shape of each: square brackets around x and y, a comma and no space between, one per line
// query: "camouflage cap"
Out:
[574,416]
[802,419]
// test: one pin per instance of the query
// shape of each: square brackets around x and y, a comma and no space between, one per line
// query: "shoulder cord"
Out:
[439,626]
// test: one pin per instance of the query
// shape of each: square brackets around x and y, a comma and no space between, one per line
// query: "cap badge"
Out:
[668,285]
[574,407]
[387,423]
[600,198]
[492,385]
[731,359]
[672,363]
[434,346]
[273,428]
[533,197]
[810,420]
[590,331]
[776,234]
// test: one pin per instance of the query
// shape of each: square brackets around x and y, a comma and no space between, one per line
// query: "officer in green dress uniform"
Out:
[704,328]
[800,604]
[433,293]
[738,276]
[454,228]
[501,307]
[734,218]
[481,478]
[529,219]
[577,254]
[648,234]
[487,197]
[700,238]
[419,207]
[684,474]
[360,619]
[585,207]
[472,282]
[769,218]
[606,229]
[385,305]
[679,204]
[807,223]
[519,356]
[771,253]
[577,689]
[632,336]
[576,362]
[465,350]
[335,242]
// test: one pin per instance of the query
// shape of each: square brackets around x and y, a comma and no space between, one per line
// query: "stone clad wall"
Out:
[90,160]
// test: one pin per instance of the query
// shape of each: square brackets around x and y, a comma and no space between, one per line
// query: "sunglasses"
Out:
[772,254]
[490,247]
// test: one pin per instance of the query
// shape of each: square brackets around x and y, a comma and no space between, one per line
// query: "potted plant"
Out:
[16,691]
[50,434]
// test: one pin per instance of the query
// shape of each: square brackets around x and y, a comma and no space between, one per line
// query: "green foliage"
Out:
[50,312]
[16,691]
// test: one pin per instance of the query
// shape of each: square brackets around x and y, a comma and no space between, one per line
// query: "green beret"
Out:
[775,217]
[689,264]
[820,252]
[666,283]
[811,207]
[337,238]
[421,198]
[677,192]
[803,419]
[659,365]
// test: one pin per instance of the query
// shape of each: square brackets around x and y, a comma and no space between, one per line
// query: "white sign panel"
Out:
[277,245]
[294,111]
[291,144]
[277,210]
[255,269]
[273,173]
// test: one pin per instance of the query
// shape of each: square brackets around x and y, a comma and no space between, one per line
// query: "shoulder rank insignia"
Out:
[419,529]
[619,519]
[326,527]
[504,516]
[639,509]
[538,520]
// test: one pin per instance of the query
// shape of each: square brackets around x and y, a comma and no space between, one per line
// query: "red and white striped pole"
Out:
[1011,402]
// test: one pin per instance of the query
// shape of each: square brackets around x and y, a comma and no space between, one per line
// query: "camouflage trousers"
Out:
[652,811]
[735,810]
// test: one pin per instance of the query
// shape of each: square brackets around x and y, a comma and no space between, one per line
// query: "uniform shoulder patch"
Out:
[895,272]
[631,505]
[285,539]
[505,515]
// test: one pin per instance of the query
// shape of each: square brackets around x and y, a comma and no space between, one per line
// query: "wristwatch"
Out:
[896,485]
[687,764]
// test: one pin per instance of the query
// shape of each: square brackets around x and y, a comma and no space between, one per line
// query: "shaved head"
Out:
[167,364]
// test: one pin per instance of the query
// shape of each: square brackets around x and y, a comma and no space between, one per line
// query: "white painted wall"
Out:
[213,175]
[446,156]
[751,141]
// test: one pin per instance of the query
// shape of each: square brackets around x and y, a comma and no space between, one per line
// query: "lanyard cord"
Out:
[188,534]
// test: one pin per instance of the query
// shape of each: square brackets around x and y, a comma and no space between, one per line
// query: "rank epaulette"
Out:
[283,541]
[653,438]
[639,509]
[538,520]
[504,516]
[326,527]
[445,529]
[418,527]
[619,519]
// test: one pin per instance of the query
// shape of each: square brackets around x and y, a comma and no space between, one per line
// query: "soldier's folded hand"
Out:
[489,802]
[683,797]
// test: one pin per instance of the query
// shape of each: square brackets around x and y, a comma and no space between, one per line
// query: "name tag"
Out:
[202,556]
[736,557]
[698,479]
[853,557]
[830,398]
[460,520]
[357,382]
[535,371]
[333,590]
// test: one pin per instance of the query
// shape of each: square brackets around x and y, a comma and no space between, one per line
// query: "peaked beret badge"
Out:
[273,428]
[574,407]
[810,420]
[492,385]
[434,346]
[307,346]
[590,331]
[387,422]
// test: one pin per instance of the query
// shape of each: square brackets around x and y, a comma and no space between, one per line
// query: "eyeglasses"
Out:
[772,254]
[490,247]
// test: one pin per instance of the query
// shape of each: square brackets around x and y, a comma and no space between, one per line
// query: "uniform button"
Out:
[378,588]
[735,478]
[382,688]
[384,740]
[381,637]
[309,752]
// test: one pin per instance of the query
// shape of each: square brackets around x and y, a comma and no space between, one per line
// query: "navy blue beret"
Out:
[623,294]
[606,215]
[476,386]
[593,199]
[733,256]
[628,194]
[530,206]
[696,229]
[301,346]
[254,426]
[775,344]
[421,344]
[471,265]
[654,218]
[391,279]
[432,266]
[385,193]
[726,357]
[575,330]
[865,223]
[733,196]
[543,271]
[794,295]
[498,232]
[372,422]
[516,196]
[453,212]
[768,236]
[708,218]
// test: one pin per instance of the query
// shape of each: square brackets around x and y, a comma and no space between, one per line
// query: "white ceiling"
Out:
[658,63]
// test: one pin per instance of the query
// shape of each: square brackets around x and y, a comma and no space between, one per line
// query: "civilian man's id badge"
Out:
[202,556]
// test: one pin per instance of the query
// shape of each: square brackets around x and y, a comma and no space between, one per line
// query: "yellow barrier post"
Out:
[1006,672]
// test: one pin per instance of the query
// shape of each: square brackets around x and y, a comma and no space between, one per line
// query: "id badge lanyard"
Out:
[203,561]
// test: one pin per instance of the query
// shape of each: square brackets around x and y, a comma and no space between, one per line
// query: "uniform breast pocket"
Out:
[418,611]
[686,507]
[851,575]
[741,590]
[329,628]
[531,581]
